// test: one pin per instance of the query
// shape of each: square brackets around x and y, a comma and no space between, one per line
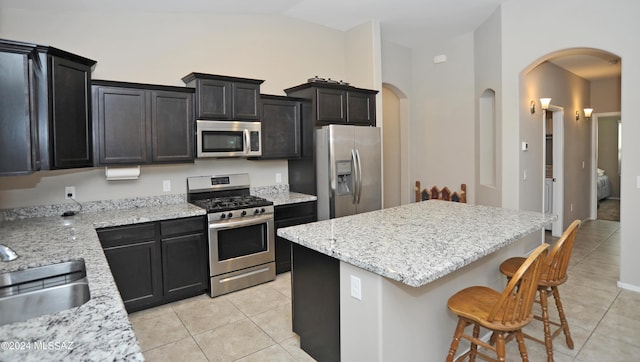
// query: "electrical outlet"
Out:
[70,192]
[278,177]
[356,287]
[166,185]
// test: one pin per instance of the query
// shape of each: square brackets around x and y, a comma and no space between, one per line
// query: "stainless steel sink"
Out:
[34,292]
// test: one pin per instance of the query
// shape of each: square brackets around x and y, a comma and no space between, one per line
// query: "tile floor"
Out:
[255,324]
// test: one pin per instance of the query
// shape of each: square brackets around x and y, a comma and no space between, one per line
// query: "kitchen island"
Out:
[374,286]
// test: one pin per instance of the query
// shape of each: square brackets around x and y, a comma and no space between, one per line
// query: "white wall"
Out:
[443,115]
[162,48]
[531,30]
[488,66]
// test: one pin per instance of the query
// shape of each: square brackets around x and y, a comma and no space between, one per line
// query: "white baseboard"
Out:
[631,287]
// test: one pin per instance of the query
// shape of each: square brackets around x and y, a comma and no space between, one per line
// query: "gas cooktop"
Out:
[227,203]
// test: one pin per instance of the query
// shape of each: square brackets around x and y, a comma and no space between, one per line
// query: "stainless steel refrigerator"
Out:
[348,170]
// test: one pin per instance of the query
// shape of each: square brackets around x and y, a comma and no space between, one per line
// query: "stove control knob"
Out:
[222,216]
[256,212]
[262,210]
[243,213]
[230,215]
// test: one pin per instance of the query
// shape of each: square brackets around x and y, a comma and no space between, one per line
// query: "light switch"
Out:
[525,146]
[356,287]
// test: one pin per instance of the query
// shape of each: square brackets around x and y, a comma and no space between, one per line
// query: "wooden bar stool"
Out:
[554,273]
[505,312]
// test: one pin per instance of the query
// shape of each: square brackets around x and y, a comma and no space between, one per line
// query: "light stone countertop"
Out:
[418,243]
[98,330]
[286,198]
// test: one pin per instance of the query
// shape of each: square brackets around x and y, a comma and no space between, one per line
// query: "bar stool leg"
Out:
[474,347]
[563,318]
[521,347]
[500,349]
[548,341]
[456,339]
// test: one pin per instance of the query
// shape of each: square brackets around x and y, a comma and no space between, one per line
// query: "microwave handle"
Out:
[247,141]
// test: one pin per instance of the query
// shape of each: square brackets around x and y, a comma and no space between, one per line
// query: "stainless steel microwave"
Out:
[228,139]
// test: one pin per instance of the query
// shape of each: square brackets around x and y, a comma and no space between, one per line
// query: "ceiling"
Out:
[406,22]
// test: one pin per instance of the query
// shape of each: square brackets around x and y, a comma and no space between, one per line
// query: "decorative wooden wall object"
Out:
[441,194]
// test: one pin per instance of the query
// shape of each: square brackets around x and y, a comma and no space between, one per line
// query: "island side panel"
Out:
[315,299]
[397,322]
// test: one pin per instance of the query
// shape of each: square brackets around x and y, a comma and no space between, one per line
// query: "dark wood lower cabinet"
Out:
[184,269]
[158,262]
[136,270]
[290,215]
[315,299]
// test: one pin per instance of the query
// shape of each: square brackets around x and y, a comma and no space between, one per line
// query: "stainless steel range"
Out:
[241,231]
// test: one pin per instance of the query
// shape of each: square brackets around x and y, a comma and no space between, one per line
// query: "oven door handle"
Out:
[242,222]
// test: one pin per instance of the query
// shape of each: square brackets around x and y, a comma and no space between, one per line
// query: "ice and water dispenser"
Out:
[345,177]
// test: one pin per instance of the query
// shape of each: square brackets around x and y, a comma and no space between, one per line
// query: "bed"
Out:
[604,185]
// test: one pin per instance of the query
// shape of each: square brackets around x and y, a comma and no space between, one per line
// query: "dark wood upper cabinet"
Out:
[221,97]
[18,122]
[338,104]
[281,119]
[45,109]
[142,123]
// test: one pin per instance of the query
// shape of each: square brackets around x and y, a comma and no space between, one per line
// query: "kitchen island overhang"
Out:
[409,260]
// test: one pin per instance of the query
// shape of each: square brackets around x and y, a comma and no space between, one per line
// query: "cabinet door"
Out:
[172,131]
[331,106]
[245,101]
[280,129]
[214,99]
[361,108]
[184,270]
[71,144]
[121,121]
[136,270]
[290,215]
[17,127]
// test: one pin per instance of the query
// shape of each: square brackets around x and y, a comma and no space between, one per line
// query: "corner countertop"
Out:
[418,243]
[97,330]
[286,198]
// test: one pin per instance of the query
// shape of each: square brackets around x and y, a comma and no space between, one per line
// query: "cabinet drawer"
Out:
[298,210]
[124,235]
[182,226]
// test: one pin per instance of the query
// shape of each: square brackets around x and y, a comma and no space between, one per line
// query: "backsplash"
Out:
[116,204]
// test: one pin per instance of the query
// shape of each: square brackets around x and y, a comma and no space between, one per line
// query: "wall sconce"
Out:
[587,112]
[544,103]
[532,107]
[577,116]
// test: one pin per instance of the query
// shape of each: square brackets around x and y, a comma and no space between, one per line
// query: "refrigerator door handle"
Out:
[359,175]
[356,176]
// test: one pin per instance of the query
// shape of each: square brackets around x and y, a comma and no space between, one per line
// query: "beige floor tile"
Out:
[183,350]
[200,315]
[593,280]
[233,341]
[151,313]
[273,353]
[601,348]
[282,284]
[276,322]
[158,331]
[257,300]
[619,326]
[292,345]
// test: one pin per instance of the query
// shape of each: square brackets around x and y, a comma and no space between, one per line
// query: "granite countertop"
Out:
[417,243]
[286,198]
[99,329]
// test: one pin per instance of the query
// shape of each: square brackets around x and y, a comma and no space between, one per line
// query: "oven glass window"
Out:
[222,141]
[242,241]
